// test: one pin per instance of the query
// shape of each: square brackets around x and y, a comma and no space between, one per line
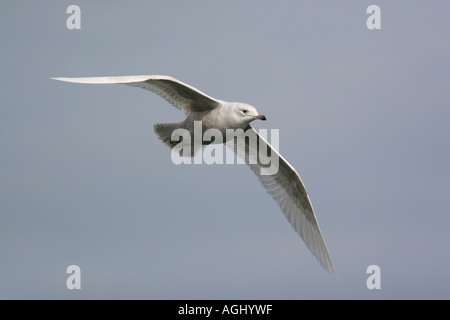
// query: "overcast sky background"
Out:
[364,117]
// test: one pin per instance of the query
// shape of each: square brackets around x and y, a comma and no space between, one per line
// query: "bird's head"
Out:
[245,113]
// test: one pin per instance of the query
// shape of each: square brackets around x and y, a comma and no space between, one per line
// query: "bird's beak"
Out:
[261,117]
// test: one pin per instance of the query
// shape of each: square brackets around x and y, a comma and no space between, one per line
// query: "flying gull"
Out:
[285,186]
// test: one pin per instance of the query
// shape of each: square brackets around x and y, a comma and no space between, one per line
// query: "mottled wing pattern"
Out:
[289,192]
[179,94]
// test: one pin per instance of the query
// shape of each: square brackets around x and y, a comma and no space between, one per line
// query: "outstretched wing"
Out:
[287,189]
[179,94]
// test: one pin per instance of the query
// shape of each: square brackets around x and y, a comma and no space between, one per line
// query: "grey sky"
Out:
[364,116]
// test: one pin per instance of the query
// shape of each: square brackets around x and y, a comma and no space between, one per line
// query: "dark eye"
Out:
[244,111]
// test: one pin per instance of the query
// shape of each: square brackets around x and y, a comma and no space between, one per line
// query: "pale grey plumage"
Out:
[286,186]
[179,94]
[288,190]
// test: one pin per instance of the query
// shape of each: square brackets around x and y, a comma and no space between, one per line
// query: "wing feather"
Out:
[179,94]
[289,192]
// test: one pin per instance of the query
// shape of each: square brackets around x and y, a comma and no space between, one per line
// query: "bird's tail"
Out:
[164,132]
[182,141]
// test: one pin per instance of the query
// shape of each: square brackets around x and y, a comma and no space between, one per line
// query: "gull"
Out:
[285,186]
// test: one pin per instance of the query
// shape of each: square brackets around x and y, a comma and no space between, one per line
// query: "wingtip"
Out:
[329,267]
[334,273]
[59,78]
[104,80]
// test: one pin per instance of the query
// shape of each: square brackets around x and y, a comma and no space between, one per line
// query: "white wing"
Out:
[288,190]
[179,94]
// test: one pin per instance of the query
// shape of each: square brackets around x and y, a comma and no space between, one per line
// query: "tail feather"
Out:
[164,132]
[185,147]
